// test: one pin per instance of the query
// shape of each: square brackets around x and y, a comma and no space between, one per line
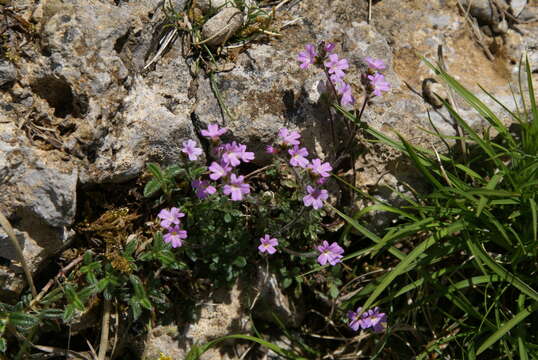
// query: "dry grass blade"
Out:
[13,239]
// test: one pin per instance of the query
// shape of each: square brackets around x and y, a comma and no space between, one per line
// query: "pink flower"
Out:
[234,153]
[376,64]
[169,217]
[236,188]
[267,244]
[213,132]
[378,84]
[329,253]
[315,197]
[203,188]
[298,156]
[231,154]
[218,170]
[175,236]
[271,150]
[320,169]
[289,138]
[336,66]
[189,148]
[329,47]
[308,57]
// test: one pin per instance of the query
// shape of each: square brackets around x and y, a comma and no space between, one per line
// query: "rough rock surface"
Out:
[222,314]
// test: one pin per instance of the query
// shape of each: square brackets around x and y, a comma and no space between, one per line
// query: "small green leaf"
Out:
[156,171]
[240,261]
[22,320]
[333,291]
[3,345]
[152,187]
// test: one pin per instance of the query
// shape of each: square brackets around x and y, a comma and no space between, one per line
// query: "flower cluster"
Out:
[372,318]
[375,82]
[335,68]
[229,156]
[171,223]
[319,171]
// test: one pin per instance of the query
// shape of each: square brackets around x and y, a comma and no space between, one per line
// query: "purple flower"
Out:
[329,253]
[329,47]
[213,131]
[236,188]
[336,66]
[175,236]
[289,138]
[355,320]
[189,148]
[320,169]
[231,154]
[315,197]
[218,170]
[169,217]
[374,319]
[308,57]
[203,188]
[347,99]
[378,84]
[267,244]
[244,155]
[271,150]
[376,64]
[298,156]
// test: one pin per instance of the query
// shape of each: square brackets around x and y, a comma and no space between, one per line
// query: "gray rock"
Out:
[528,14]
[39,197]
[517,6]
[489,13]
[273,301]
[222,26]
[223,313]
[207,5]
[8,72]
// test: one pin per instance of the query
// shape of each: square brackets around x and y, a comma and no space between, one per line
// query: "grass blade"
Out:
[507,326]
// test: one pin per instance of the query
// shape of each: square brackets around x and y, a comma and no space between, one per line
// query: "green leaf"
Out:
[73,298]
[507,326]
[241,261]
[532,204]
[368,233]
[3,345]
[51,313]
[69,312]
[156,171]
[23,321]
[412,256]
[152,187]
[507,276]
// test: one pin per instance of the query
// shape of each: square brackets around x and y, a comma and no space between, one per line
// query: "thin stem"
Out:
[366,98]
[11,235]
[103,343]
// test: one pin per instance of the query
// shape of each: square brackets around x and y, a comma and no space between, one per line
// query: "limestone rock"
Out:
[222,26]
[517,6]
[39,198]
[273,301]
[222,314]
[8,72]
[207,5]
